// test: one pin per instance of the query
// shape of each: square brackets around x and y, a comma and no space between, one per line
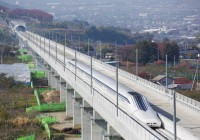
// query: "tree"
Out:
[6,51]
[85,48]
[36,14]
[109,34]
[6,82]
[106,49]
[171,49]
[127,53]
[147,51]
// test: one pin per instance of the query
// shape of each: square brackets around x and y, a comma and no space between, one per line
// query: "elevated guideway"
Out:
[187,109]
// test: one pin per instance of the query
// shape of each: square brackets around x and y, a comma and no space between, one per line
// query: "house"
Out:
[182,83]
[188,54]
[161,80]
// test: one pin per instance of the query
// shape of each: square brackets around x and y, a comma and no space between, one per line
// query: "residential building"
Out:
[161,80]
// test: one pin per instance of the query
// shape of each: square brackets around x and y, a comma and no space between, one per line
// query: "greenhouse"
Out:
[19,71]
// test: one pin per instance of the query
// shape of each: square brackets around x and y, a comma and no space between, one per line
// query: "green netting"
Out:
[47,107]
[46,126]
[37,97]
[31,84]
[50,119]
[47,119]
[25,58]
[31,137]
[22,51]
[38,74]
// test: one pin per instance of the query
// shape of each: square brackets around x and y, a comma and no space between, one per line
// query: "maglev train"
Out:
[130,101]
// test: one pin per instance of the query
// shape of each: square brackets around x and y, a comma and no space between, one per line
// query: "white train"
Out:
[130,101]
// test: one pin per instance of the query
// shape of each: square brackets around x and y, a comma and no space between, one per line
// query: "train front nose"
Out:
[149,117]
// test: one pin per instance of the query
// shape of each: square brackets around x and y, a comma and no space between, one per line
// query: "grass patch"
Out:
[192,94]
[14,121]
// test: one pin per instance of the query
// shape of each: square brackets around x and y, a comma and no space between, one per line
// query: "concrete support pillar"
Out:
[63,90]
[98,127]
[53,80]
[112,134]
[20,43]
[96,131]
[76,110]
[57,81]
[47,72]
[50,77]
[39,62]
[86,112]
[36,63]
[69,101]
[42,64]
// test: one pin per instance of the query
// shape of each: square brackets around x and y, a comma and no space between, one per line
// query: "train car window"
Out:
[139,100]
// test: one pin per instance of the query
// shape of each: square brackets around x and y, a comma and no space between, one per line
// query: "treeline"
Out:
[116,34]
[35,14]
[82,29]
[73,25]
[109,34]
[41,16]
[149,52]
[5,35]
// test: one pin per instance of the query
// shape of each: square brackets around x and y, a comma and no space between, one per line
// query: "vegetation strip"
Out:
[31,137]
[44,120]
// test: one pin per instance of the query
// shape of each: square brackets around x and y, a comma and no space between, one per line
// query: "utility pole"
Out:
[79,42]
[117,82]
[1,56]
[174,116]
[136,62]
[71,39]
[64,50]
[100,52]
[88,46]
[40,42]
[91,84]
[56,46]
[174,61]
[52,36]
[197,74]
[127,64]
[49,41]
[166,75]
[44,41]
[75,65]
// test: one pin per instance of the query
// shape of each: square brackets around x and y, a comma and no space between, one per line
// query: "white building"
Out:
[19,71]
